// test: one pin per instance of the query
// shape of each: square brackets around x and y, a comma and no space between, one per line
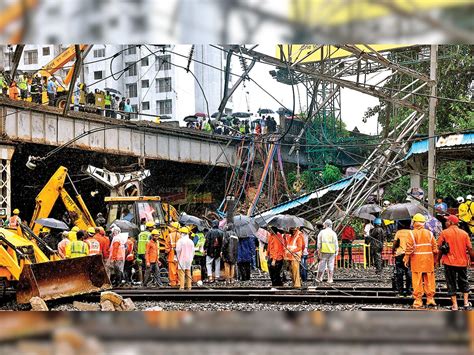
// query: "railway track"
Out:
[323,294]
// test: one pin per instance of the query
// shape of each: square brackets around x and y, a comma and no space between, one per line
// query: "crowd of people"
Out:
[33,87]
[186,254]
[234,126]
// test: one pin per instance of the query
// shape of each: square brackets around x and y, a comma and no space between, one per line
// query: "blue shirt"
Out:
[51,87]
[441,207]
[127,108]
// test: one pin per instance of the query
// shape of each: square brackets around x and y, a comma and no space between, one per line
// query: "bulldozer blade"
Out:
[62,278]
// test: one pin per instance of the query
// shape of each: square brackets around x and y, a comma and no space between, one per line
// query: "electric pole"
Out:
[431,130]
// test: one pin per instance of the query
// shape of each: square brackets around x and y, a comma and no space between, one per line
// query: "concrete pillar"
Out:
[415,180]
[6,153]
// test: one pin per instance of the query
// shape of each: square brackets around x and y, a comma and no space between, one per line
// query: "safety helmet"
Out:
[386,203]
[460,199]
[45,230]
[419,218]
[378,221]
[469,197]
[150,224]
[175,225]
[91,230]
[16,211]
[185,230]
[155,232]
[75,229]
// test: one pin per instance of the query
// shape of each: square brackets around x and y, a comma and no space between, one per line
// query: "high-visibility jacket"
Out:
[13,93]
[77,249]
[108,100]
[199,239]
[22,84]
[14,221]
[171,241]
[143,239]
[104,244]
[94,246]
[152,252]
[402,235]
[294,245]
[421,249]
[463,212]
[276,246]
[327,241]
[117,251]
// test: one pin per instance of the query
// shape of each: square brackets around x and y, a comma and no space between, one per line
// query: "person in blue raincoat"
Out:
[245,251]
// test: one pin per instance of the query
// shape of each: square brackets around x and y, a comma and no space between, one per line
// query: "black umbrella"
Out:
[189,220]
[245,226]
[286,222]
[369,208]
[403,211]
[191,119]
[366,216]
[52,223]
[126,226]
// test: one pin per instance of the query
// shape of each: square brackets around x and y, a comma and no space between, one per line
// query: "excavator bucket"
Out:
[63,278]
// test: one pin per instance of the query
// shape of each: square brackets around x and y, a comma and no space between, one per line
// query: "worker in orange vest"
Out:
[15,220]
[13,91]
[103,241]
[94,245]
[130,252]
[152,256]
[171,240]
[421,252]
[293,252]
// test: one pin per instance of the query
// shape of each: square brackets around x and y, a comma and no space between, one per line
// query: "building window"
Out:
[98,75]
[145,84]
[163,62]
[132,50]
[31,57]
[145,105]
[164,107]
[145,62]
[134,108]
[163,85]
[132,69]
[131,90]
[46,51]
[99,53]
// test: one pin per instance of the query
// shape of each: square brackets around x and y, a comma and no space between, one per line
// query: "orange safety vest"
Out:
[13,221]
[171,241]
[94,246]
[421,247]
[130,255]
[294,246]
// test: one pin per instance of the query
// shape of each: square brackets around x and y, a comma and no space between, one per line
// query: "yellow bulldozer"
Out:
[29,265]
[26,268]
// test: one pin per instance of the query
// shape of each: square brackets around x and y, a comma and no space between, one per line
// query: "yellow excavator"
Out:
[26,268]
[33,272]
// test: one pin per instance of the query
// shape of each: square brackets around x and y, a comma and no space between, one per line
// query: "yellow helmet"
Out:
[155,232]
[45,230]
[91,230]
[184,230]
[75,229]
[149,224]
[175,225]
[419,218]
[16,211]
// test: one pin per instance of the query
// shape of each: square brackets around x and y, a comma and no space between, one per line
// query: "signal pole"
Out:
[431,130]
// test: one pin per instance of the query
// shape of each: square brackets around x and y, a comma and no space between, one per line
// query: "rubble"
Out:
[113,297]
[107,306]
[128,305]
[83,306]
[38,304]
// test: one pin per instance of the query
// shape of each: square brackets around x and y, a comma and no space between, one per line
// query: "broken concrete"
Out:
[87,307]
[128,305]
[113,297]
[38,304]
[107,306]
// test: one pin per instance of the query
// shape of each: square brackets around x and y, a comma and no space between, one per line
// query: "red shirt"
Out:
[104,244]
[459,245]
[276,246]
[348,233]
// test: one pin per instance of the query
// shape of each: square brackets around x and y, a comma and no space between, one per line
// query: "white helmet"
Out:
[460,199]
[469,197]
[386,203]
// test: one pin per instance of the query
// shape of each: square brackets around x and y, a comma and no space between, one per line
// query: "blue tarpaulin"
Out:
[453,140]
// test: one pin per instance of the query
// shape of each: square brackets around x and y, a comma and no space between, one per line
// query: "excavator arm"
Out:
[48,196]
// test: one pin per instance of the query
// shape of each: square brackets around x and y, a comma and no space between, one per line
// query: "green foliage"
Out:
[331,174]
[450,175]
[454,76]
